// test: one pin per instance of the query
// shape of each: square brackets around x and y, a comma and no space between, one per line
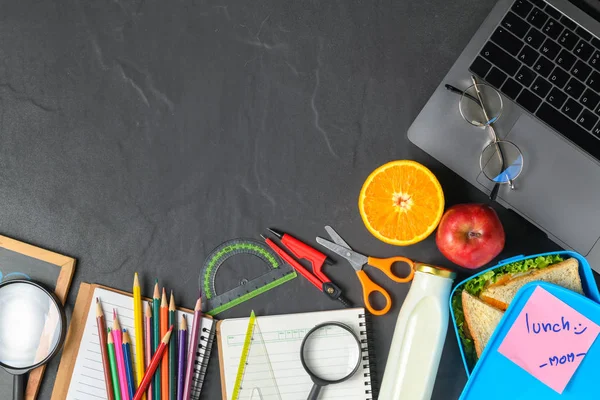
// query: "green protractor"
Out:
[278,273]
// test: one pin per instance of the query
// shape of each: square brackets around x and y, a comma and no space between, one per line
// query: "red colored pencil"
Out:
[156,359]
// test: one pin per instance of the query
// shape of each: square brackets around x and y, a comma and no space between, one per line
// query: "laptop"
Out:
[544,58]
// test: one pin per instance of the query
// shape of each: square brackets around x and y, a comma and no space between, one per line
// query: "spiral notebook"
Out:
[82,369]
[283,336]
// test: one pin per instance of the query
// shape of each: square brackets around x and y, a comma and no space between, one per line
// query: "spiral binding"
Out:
[205,344]
[368,356]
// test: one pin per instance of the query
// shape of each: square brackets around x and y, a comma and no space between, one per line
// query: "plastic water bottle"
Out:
[419,336]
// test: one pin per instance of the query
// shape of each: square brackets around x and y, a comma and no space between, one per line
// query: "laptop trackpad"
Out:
[559,187]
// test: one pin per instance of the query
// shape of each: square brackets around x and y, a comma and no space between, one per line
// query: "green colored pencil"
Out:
[156,337]
[173,350]
[112,360]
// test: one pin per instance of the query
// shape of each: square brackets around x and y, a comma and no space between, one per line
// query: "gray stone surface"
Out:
[137,135]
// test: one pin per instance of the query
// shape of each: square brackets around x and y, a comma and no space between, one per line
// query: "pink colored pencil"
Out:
[191,357]
[148,343]
[118,338]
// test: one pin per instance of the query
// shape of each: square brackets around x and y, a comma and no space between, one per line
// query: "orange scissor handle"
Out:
[369,287]
[385,265]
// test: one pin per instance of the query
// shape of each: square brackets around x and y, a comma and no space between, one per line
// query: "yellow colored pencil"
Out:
[139,332]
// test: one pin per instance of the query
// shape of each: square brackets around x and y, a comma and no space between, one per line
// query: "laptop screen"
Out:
[591,7]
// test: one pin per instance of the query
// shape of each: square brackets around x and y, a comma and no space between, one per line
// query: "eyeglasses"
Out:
[501,161]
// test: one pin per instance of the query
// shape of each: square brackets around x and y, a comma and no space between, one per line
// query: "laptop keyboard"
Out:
[550,66]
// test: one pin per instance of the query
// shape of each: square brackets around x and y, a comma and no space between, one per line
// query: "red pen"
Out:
[303,251]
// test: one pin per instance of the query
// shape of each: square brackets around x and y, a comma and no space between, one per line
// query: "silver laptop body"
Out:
[559,188]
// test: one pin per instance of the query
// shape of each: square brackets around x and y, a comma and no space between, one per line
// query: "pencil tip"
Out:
[99,312]
[183,323]
[172,302]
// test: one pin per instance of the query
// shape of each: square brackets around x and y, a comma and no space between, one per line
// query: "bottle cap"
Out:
[437,271]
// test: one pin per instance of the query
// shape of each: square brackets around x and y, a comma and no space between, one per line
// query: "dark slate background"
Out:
[137,135]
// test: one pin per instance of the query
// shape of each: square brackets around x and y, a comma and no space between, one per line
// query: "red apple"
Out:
[470,235]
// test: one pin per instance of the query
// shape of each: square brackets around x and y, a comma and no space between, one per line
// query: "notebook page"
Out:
[87,381]
[283,336]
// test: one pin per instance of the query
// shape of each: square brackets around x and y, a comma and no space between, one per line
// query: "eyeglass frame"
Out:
[494,137]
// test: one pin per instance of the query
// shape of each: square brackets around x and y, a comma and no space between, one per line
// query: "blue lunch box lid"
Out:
[585,272]
[493,370]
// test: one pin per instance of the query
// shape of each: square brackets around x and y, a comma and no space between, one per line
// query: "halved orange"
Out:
[401,202]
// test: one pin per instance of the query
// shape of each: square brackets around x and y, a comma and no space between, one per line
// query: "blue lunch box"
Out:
[523,385]
[585,272]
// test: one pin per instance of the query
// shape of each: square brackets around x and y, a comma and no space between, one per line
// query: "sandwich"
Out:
[481,320]
[565,274]
[479,306]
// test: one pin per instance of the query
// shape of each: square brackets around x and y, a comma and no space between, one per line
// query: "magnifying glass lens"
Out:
[30,325]
[331,353]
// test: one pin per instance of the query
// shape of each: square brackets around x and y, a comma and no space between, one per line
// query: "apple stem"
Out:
[473,235]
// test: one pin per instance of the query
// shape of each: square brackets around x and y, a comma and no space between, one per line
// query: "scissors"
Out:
[358,262]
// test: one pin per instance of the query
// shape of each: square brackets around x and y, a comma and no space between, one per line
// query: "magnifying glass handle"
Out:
[19,387]
[314,392]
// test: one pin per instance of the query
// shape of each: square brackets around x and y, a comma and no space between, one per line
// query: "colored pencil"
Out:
[118,338]
[138,324]
[173,350]
[164,365]
[112,359]
[128,363]
[151,370]
[148,343]
[156,336]
[101,323]
[189,368]
[181,343]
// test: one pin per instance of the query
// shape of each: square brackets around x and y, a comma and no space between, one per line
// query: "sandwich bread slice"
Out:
[481,320]
[565,274]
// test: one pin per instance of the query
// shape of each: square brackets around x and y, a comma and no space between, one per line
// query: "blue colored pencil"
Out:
[128,363]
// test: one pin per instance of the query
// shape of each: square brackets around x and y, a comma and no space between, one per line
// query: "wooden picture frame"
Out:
[61,289]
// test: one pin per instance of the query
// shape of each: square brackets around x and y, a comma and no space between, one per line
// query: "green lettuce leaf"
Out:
[476,285]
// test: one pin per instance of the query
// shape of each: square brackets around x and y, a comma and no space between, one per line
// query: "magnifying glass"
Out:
[32,329]
[330,353]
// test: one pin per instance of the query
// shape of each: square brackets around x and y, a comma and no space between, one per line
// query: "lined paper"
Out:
[87,382]
[282,335]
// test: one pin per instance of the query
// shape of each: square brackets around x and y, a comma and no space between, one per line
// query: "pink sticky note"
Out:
[549,339]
